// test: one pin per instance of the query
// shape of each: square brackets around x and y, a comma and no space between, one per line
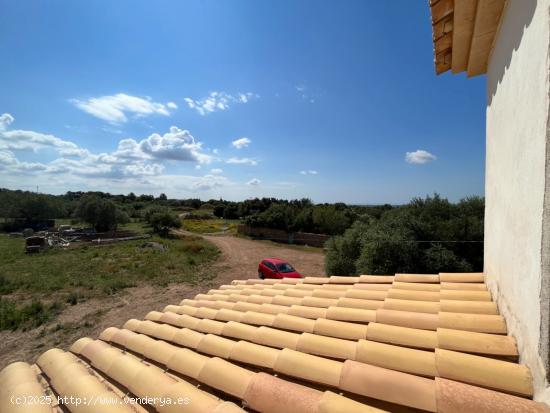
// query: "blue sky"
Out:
[335,101]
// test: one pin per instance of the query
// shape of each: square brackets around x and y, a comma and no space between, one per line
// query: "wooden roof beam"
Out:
[486,24]
[463,27]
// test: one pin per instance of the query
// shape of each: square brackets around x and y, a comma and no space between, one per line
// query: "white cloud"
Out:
[217,101]
[309,172]
[137,165]
[130,158]
[241,143]
[30,140]
[116,108]
[254,182]
[208,182]
[5,120]
[242,161]
[178,144]
[419,157]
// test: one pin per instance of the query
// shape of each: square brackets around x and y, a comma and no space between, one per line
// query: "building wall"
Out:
[516,180]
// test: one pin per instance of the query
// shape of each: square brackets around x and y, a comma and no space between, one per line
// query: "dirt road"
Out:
[239,260]
[240,257]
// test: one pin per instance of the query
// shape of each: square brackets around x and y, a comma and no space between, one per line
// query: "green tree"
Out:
[101,213]
[162,221]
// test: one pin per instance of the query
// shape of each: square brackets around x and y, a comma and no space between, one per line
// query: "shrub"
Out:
[422,237]
[28,316]
[101,213]
[162,219]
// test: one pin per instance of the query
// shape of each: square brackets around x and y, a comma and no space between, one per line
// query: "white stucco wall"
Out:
[517,116]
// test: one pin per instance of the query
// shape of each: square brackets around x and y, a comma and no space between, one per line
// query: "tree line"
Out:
[427,235]
[102,211]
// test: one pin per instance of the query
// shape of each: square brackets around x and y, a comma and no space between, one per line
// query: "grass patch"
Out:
[205,226]
[27,316]
[77,273]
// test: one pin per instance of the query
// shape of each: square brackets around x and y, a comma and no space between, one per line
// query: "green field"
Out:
[58,277]
[206,226]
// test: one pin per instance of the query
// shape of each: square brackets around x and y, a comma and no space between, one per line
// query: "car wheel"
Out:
[261,275]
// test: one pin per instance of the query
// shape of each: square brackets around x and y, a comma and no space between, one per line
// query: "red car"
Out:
[276,268]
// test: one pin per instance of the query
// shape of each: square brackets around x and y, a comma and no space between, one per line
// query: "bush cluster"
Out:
[428,235]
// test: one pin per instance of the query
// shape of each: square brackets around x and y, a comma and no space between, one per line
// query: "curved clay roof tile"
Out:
[309,367]
[483,371]
[453,396]
[389,385]
[270,394]
[358,303]
[239,330]
[229,378]
[398,358]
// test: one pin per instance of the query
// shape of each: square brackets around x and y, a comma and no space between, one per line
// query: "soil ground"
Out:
[239,259]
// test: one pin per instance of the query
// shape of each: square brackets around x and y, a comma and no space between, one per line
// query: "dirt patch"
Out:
[239,259]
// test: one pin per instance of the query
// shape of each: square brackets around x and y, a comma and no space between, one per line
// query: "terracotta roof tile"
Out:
[319,302]
[334,403]
[366,294]
[463,286]
[19,380]
[308,367]
[327,293]
[240,330]
[423,321]
[277,338]
[376,279]
[417,278]
[339,329]
[226,376]
[273,308]
[453,397]
[351,314]
[316,280]
[187,362]
[272,395]
[484,371]
[430,307]
[414,295]
[307,312]
[470,277]
[286,300]
[293,323]
[330,286]
[357,303]
[481,323]
[402,336]
[377,287]
[469,342]
[416,286]
[371,336]
[254,354]
[344,280]
[393,386]
[327,346]
[215,346]
[398,358]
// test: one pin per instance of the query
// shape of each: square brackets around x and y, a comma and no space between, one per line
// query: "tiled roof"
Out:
[315,345]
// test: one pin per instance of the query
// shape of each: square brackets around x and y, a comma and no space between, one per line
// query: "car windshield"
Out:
[284,267]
